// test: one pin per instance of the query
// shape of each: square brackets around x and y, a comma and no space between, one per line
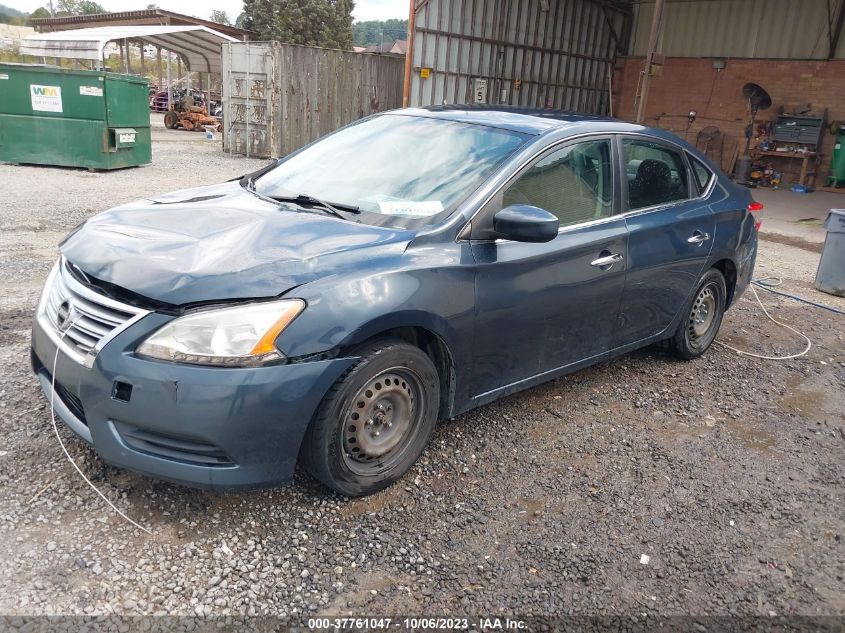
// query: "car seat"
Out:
[652,185]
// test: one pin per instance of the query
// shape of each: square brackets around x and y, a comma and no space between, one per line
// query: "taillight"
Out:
[756,209]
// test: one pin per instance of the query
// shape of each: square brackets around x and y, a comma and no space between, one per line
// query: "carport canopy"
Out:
[200,46]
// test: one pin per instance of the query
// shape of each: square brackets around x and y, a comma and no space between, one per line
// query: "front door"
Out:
[671,233]
[541,307]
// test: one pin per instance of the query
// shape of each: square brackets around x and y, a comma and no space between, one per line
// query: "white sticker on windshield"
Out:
[421,209]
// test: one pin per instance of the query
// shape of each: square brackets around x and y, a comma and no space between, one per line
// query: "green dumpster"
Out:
[73,118]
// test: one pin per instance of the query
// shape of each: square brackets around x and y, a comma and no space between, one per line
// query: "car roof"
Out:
[537,122]
[525,120]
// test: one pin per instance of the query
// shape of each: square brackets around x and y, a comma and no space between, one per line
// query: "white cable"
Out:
[62,444]
[784,325]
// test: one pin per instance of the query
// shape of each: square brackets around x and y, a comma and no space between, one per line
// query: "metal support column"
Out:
[656,24]
[169,83]
[409,54]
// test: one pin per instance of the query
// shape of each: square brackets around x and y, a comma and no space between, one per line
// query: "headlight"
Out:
[242,336]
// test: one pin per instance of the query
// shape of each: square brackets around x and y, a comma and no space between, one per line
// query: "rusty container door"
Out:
[248,103]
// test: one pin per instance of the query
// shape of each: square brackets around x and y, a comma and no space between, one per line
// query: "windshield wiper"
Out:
[336,209]
[305,200]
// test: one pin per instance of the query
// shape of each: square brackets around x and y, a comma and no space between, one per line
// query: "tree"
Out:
[39,13]
[89,7]
[78,7]
[221,17]
[326,23]
[376,31]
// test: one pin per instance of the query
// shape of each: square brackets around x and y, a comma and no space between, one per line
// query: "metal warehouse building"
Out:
[590,55]
[542,53]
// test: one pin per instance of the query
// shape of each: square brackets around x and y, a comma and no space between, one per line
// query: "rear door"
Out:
[670,235]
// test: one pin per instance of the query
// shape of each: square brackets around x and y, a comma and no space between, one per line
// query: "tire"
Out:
[170,120]
[702,318]
[375,421]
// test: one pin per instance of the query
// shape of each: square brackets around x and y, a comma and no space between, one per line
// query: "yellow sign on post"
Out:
[425,73]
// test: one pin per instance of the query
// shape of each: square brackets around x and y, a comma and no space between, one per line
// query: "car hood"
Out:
[220,243]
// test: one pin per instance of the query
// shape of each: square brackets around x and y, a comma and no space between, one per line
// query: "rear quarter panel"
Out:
[736,237]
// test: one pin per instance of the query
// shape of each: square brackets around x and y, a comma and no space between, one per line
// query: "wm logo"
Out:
[45,91]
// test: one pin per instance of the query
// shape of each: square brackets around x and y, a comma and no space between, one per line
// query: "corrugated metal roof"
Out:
[200,46]
[787,29]
[141,17]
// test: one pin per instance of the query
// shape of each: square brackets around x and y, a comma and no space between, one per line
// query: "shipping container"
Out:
[279,97]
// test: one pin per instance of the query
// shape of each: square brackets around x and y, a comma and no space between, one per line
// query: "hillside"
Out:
[12,13]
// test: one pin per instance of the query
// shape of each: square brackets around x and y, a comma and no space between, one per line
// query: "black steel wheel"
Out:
[375,421]
[702,317]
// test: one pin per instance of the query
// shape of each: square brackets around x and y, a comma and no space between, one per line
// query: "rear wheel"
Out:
[375,421]
[702,318]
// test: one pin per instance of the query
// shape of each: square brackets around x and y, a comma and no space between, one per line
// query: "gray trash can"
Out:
[830,277]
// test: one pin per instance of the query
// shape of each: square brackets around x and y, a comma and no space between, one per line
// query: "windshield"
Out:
[397,170]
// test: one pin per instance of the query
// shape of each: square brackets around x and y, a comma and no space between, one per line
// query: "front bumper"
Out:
[205,427]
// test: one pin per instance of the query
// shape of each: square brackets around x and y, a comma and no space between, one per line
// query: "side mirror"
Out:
[524,223]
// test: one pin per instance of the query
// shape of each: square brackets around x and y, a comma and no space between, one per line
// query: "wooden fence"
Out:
[278,97]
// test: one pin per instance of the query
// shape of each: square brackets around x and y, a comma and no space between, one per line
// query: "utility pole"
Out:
[409,54]
[654,37]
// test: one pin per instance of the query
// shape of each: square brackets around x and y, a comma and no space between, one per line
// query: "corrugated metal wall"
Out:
[535,53]
[789,29]
[279,97]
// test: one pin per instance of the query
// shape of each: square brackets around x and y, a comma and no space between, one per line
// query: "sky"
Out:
[364,9]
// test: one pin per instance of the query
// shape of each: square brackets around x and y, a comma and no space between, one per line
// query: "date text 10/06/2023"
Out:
[416,624]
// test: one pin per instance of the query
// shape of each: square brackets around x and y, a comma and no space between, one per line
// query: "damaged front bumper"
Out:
[201,426]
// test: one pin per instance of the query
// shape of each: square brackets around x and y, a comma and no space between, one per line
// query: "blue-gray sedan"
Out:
[330,308]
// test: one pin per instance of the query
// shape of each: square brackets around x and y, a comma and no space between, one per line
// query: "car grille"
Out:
[174,448]
[80,319]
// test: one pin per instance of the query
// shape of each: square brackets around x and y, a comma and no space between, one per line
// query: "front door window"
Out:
[574,183]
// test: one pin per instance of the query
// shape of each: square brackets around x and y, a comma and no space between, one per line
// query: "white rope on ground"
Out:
[775,321]
[67,454]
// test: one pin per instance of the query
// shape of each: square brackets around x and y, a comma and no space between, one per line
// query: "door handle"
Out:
[698,238]
[607,260]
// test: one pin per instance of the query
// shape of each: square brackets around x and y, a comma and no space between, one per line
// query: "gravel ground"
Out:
[640,486]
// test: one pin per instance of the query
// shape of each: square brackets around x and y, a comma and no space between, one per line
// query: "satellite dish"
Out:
[756,96]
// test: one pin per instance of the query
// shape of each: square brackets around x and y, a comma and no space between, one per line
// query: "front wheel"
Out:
[375,421]
[702,317]
[170,120]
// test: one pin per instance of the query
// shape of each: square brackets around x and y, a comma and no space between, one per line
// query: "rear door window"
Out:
[701,172]
[657,175]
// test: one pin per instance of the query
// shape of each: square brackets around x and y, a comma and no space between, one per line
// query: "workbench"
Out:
[804,157]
